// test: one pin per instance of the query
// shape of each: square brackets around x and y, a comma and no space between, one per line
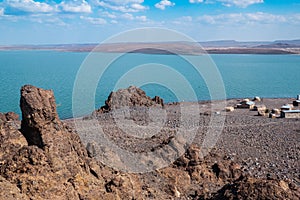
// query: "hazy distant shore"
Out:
[214,47]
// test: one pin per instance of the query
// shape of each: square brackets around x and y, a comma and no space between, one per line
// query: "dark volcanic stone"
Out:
[52,163]
[56,164]
[129,97]
[9,191]
[252,188]
[11,116]
[38,110]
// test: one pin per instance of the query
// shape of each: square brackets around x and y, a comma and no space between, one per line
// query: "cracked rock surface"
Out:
[42,157]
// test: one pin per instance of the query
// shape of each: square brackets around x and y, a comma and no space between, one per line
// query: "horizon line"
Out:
[205,41]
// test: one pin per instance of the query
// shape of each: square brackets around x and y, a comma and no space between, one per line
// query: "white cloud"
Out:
[208,19]
[123,6]
[109,15]
[229,3]
[46,19]
[185,20]
[123,2]
[242,18]
[75,7]
[29,6]
[142,18]
[127,16]
[1,11]
[240,3]
[163,4]
[114,21]
[265,17]
[294,19]
[92,20]
[196,1]
[138,6]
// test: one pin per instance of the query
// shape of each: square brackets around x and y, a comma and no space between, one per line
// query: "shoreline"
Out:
[230,101]
[229,51]
[168,48]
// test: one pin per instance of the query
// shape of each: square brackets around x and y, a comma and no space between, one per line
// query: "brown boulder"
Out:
[52,163]
[9,191]
[56,164]
[252,188]
[11,116]
[11,139]
[177,181]
[132,96]
[38,111]
[158,100]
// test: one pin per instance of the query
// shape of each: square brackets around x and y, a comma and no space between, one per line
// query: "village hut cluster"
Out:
[289,110]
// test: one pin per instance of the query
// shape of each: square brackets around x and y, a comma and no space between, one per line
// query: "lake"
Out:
[243,76]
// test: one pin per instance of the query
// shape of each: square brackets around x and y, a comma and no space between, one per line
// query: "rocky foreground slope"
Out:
[43,158]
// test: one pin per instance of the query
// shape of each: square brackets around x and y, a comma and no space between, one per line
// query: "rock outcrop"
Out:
[45,159]
[130,97]
[38,115]
[252,188]
[10,191]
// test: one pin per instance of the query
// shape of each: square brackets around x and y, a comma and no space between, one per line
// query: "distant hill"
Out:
[213,47]
[265,44]
[232,43]
[282,44]
[291,42]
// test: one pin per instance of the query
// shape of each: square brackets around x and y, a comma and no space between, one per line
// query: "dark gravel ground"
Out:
[266,148]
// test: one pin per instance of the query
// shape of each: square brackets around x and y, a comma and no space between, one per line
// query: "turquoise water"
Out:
[243,76]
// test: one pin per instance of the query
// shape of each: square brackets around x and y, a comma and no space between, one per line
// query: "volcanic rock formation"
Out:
[45,159]
[130,97]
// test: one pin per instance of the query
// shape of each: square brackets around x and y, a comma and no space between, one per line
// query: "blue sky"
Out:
[92,21]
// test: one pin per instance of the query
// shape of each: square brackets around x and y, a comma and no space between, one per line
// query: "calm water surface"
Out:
[243,76]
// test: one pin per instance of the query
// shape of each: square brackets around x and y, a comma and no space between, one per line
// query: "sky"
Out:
[92,21]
